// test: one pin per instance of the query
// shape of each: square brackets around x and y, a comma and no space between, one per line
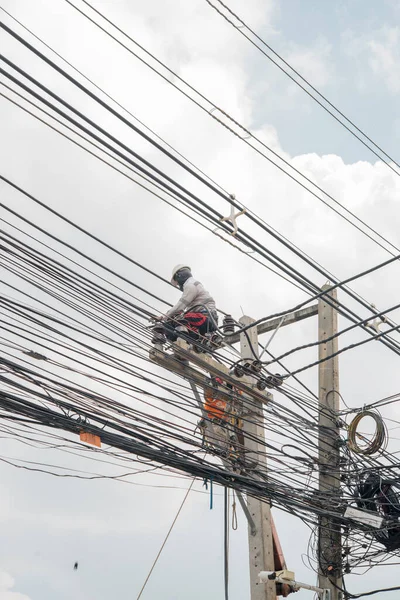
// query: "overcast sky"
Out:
[351,52]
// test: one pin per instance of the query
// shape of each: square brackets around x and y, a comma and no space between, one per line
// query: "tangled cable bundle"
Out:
[75,364]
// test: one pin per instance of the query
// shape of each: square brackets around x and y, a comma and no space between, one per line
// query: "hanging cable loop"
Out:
[379,440]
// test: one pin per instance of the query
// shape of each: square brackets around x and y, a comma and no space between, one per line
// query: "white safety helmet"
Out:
[175,271]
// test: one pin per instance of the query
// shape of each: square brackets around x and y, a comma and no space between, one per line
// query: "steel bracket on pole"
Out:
[288,578]
[246,511]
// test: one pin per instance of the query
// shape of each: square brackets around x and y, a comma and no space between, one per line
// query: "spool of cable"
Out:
[379,439]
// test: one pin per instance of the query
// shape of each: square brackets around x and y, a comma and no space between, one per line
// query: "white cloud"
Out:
[377,55]
[385,58]
[7,582]
[312,62]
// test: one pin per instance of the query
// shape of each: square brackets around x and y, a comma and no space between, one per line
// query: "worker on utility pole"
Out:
[194,315]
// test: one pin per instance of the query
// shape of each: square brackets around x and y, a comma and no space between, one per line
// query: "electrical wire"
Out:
[213,231]
[386,343]
[226,543]
[50,401]
[8,62]
[214,107]
[379,439]
[241,29]
[165,540]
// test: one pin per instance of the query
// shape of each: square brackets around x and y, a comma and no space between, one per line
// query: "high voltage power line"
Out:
[210,112]
[324,272]
[93,368]
[356,324]
[272,257]
[269,229]
[55,387]
[292,73]
[68,396]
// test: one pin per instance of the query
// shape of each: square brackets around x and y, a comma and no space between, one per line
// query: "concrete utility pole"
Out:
[261,553]
[329,531]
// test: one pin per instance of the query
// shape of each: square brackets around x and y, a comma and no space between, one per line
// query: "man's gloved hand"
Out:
[158,319]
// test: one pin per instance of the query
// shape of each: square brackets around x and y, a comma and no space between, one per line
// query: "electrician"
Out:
[194,314]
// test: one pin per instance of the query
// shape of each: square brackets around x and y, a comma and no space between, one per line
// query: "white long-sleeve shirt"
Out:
[194,295]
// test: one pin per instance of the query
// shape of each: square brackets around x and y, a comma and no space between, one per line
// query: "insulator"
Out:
[256,366]
[261,384]
[238,371]
[274,381]
[278,380]
[269,382]
[228,325]
[197,349]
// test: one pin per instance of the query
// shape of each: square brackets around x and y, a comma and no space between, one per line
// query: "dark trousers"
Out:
[197,323]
